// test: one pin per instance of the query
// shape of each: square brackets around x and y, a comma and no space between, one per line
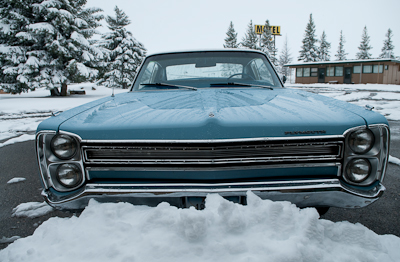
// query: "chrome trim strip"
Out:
[207,161]
[155,168]
[324,192]
[209,141]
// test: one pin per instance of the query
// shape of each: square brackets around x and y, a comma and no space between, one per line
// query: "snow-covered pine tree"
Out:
[268,45]
[231,37]
[323,50]
[250,38]
[53,47]
[14,15]
[125,53]
[341,53]
[388,47]
[364,46]
[285,58]
[309,50]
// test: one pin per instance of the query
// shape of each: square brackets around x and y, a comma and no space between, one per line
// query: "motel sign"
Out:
[275,30]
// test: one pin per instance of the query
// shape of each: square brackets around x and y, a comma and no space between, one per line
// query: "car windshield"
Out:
[209,69]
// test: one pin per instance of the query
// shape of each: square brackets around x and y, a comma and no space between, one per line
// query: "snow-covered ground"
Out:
[385,99]
[223,231]
[21,114]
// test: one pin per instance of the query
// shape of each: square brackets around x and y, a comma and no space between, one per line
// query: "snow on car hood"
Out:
[219,113]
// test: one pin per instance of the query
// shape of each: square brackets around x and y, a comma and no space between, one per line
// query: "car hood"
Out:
[219,113]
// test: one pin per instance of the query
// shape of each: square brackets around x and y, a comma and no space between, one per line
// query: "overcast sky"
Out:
[163,25]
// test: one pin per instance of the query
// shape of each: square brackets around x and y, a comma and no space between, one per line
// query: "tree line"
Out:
[311,52]
[50,44]
[312,49]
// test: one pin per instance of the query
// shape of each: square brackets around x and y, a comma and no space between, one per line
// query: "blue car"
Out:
[201,122]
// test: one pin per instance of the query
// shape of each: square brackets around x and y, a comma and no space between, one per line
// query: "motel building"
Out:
[371,71]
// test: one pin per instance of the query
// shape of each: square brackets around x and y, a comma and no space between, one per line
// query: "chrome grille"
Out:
[212,153]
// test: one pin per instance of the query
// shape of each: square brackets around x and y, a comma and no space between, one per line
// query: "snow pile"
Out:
[31,209]
[16,180]
[394,160]
[261,231]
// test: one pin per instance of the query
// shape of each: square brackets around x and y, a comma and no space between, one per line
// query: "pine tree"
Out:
[285,58]
[231,38]
[14,15]
[388,47]
[53,48]
[341,53]
[364,46]
[268,45]
[323,50]
[125,53]
[309,50]
[250,38]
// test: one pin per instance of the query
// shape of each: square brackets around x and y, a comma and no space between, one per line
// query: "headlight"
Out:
[69,175]
[361,141]
[64,146]
[358,170]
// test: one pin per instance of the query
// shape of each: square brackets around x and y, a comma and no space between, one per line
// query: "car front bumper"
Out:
[304,193]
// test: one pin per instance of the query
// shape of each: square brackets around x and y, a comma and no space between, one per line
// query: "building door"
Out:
[347,75]
[321,75]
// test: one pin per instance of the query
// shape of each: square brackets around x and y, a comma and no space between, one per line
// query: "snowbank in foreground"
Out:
[261,231]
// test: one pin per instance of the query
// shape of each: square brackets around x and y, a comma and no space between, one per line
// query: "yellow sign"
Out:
[275,30]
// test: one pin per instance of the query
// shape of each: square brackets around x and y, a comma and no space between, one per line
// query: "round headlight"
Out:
[361,141]
[69,175]
[64,147]
[358,170]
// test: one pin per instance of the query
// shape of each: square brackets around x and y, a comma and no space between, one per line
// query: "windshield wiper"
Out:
[170,85]
[241,84]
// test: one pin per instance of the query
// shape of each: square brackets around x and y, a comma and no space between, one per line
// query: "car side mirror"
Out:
[284,79]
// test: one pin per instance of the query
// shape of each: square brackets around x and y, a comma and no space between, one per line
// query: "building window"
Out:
[314,72]
[299,72]
[367,69]
[306,72]
[339,71]
[377,69]
[330,71]
[356,69]
[386,67]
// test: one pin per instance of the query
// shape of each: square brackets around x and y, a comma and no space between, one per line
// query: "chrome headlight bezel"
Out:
[50,162]
[373,148]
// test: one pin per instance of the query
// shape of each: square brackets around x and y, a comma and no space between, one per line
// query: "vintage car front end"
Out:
[179,142]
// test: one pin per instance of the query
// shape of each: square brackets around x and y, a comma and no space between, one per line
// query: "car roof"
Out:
[207,50]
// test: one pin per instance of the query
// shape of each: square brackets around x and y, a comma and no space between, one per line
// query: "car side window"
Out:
[260,70]
[151,74]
